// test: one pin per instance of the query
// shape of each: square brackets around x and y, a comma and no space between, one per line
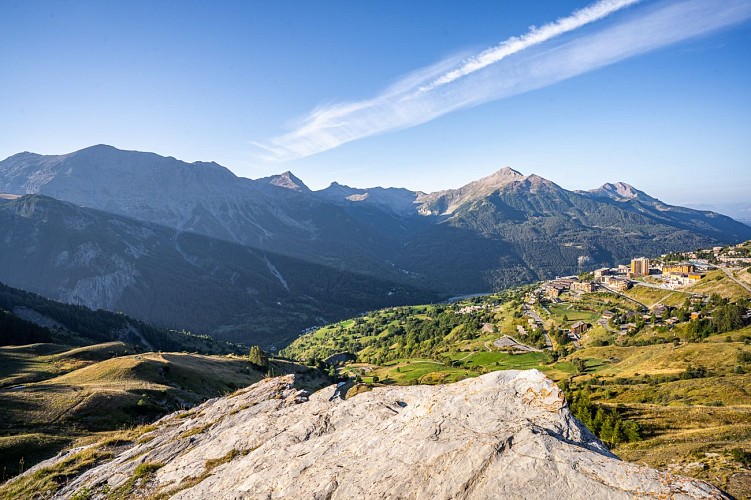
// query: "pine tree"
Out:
[257,357]
[598,421]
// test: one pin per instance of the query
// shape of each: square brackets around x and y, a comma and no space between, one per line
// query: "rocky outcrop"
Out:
[506,434]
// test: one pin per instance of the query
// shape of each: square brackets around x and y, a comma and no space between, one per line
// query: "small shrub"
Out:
[82,494]
[741,456]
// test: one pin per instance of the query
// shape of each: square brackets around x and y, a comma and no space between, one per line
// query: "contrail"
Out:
[514,66]
[534,36]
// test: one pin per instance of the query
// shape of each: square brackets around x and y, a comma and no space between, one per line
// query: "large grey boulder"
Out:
[507,434]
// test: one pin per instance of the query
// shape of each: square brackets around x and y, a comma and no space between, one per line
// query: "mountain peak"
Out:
[508,171]
[286,180]
[494,181]
[619,191]
[99,147]
[503,176]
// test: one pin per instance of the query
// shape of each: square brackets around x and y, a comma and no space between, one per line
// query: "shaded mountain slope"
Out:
[27,318]
[177,279]
[276,214]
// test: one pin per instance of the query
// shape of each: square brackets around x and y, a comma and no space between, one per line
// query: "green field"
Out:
[574,312]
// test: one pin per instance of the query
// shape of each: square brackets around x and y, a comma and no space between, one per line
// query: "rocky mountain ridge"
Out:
[502,435]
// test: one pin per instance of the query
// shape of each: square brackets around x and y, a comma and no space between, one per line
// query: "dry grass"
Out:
[695,441]
[50,479]
[717,282]
[62,405]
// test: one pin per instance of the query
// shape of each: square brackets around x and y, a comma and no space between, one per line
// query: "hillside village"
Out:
[676,271]
[611,304]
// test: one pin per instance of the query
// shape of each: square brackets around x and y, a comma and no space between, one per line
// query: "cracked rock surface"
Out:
[507,434]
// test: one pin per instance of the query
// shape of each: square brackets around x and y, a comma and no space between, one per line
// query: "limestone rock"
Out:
[507,434]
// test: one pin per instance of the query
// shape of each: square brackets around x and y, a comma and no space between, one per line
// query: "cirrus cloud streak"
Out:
[515,66]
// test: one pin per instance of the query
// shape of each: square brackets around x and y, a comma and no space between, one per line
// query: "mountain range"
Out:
[191,245]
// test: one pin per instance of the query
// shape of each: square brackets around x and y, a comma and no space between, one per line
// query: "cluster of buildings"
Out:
[613,279]
[736,255]
[554,288]
[472,308]
[620,278]
[682,274]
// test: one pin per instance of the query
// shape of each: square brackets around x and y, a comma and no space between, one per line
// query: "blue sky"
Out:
[418,94]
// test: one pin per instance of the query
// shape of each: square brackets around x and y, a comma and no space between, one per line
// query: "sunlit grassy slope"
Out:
[53,396]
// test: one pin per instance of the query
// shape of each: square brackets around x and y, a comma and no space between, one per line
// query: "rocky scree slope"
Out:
[507,434]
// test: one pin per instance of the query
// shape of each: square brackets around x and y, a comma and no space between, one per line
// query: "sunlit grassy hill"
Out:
[54,396]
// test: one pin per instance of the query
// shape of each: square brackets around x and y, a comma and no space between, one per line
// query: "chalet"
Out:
[578,328]
[553,291]
[695,315]
[599,273]
[658,310]
[628,327]
[607,314]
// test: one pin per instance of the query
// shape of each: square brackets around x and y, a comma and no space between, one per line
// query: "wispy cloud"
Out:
[509,68]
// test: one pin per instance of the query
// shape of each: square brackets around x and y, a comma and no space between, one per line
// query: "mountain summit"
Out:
[286,180]
[448,201]
[619,191]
